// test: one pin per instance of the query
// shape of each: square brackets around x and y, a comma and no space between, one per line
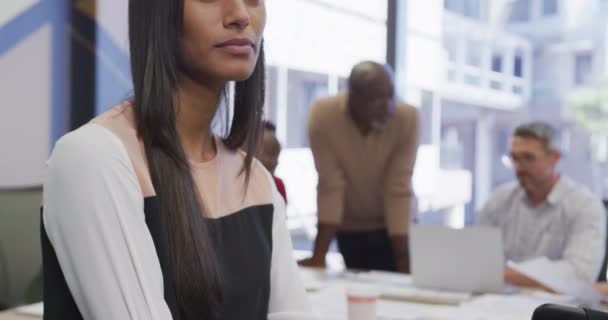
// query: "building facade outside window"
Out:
[583,62]
[520,11]
[550,7]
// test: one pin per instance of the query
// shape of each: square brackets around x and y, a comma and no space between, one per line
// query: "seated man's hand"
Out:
[512,276]
[515,278]
[602,287]
[312,262]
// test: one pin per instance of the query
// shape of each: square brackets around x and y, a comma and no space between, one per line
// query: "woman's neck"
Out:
[196,105]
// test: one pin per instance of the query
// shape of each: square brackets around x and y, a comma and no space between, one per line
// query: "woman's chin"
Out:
[237,71]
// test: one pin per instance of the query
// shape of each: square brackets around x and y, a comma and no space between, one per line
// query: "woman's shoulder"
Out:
[107,141]
[104,137]
[120,120]
[90,143]
[85,160]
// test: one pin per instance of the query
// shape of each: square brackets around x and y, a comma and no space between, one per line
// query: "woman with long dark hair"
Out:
[147,214]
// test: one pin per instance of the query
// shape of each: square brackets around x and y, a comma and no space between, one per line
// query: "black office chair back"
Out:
[602,276]
[559,312]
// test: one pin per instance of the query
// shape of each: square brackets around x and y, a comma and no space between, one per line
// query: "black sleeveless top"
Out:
[243,242]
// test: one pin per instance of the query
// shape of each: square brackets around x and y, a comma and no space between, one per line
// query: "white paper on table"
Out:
[36,309]
[382,277]
[559,277]
[292,316]
[310,279]
[330,302]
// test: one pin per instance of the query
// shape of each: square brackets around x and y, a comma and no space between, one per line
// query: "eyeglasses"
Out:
[526,159]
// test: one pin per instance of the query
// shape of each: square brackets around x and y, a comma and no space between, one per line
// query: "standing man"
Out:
[364,145]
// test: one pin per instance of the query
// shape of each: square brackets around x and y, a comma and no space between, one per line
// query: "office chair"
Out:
[4,277]
[558,312]
[602,276]
[20,251]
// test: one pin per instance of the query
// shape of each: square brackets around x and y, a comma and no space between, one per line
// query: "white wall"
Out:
[25,125]
[112,16]
[11,8]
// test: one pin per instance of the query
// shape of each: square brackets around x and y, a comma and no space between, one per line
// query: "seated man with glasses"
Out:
[545,214]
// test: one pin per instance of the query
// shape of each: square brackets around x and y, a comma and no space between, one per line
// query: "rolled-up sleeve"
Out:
[399,191]
[331,183]
[94,219]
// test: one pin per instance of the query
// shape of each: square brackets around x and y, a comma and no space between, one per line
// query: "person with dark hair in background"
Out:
[546,215]
[269,153]
[146,213]
[364,145]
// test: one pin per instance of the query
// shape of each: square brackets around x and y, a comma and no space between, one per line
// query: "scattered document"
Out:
[559,277]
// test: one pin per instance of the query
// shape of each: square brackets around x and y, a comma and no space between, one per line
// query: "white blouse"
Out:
[94,219]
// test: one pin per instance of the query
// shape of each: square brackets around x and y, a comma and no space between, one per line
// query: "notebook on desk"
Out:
[463,260]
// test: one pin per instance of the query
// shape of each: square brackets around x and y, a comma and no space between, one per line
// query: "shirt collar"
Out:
[558,191]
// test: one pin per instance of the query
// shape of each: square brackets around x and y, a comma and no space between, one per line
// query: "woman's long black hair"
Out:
[155,29]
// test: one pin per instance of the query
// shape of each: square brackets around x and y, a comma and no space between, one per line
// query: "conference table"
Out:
[398,299]
[401,300]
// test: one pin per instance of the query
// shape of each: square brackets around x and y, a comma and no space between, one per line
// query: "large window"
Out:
[311,60]
[311,46]
[582,68]
[520,11]
[304,89]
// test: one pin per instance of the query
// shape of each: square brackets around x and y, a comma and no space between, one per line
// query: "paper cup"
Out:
[361,304]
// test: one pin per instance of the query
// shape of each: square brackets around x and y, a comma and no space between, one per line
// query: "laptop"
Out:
[464,260]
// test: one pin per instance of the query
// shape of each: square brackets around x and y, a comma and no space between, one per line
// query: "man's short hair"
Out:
[541,131]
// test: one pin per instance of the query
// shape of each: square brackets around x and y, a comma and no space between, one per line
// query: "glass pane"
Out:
[452,75]
[451,47]
[474,53]
[549,7]
[496,85]
[472,80]
[520,11]
[426,117]
[517,90]
[304,88]
[497,62]
[582,67]
[518,66]
[472,9]
[451,5]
